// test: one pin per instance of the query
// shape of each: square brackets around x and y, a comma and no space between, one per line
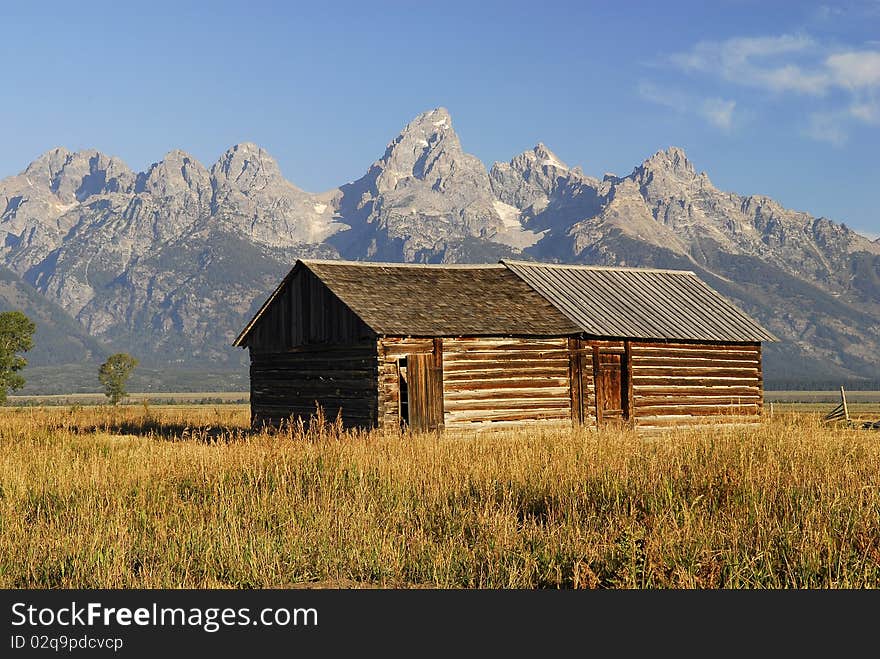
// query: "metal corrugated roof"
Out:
[528,298]
[640,303]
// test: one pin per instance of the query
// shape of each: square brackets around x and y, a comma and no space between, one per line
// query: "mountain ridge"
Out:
[170,262]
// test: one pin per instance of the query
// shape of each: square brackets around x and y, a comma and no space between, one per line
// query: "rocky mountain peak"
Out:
[246,166]
[532,176]
[669,174]
[673,160]
[424,193]
[433,126]
[433,122]
[425,148]
[253,199]
[49,163]
[546,157]
[534,160]
[178,173]
[172,266]
[75,176]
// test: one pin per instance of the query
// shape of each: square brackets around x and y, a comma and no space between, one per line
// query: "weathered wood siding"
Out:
[588,357]
[505,380]
[306,312]
[425,391]
[687,383]
[292,383]
[390,350]
[510,380]
[583,391]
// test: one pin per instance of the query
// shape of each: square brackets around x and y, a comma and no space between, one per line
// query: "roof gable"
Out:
[517,298]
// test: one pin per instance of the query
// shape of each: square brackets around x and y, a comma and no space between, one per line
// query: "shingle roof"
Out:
[441,300]
[640,303]
[517,298]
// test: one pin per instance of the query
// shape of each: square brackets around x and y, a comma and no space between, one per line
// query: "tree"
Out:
[16,335]
[114,373]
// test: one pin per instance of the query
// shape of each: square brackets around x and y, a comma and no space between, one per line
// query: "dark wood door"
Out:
[425,389]
[581,368]
[611,387]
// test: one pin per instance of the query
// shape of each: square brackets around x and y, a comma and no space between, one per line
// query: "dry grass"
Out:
[187,497]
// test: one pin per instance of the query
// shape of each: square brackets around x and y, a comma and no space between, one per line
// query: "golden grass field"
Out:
[187,497]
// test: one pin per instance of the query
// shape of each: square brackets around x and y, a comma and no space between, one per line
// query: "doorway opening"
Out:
[403,397]
[606,368]
[421,392]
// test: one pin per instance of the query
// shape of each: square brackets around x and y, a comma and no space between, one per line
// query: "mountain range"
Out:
[168,264]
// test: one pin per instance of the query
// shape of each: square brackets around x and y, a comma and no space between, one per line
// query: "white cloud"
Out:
[664,96]
[833,126]
[719,112]
[867,111]
[826,127]
[848,80]
[790,78]
[733,52]
[785,63]
[855,69]
[754,61]
[716,111]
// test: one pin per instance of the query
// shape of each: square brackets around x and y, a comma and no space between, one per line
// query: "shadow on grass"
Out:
[176,432]
[315,428]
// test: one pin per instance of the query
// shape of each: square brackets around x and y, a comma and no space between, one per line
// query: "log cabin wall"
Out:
[336,377]
[310,349]
[390,350]
[500,380]
[599,366]
[582,386]
[691,383]
[706,367]
[508,380]
[600,383]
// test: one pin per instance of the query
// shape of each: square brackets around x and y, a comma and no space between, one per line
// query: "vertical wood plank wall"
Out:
[425,391]
[505,380]
[291,383]
[595,348]
[688,383]
[304,312]
[583,389]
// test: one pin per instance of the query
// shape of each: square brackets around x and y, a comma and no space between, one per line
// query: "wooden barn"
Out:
[457,346]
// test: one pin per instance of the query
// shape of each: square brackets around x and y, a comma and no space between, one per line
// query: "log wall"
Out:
[291,384]
[389,351]
[682,383]
[510,380]
[505,380]
[583,384]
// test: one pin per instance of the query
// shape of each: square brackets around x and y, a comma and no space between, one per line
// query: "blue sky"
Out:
[775,98]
